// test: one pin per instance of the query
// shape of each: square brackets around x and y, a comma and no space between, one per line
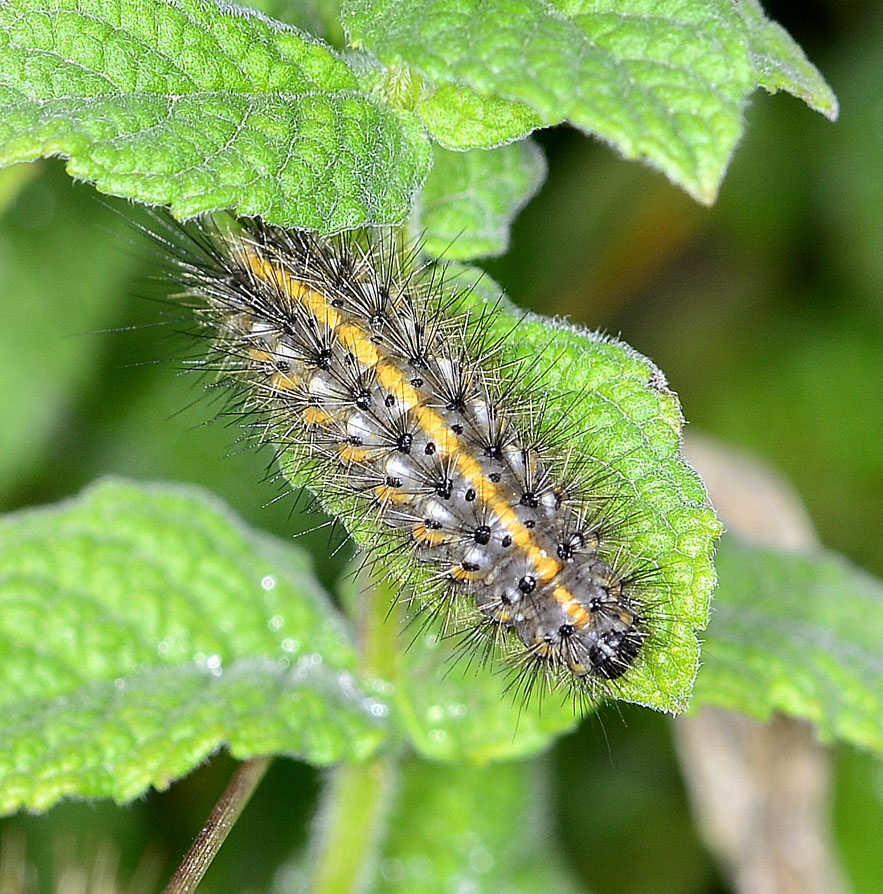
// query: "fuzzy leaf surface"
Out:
[460,118]
[780,64]
[470,198]
[143,628]
[200,107]
[800,634]
[661,80]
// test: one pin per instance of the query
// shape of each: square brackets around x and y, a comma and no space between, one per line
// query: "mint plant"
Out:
[144,627]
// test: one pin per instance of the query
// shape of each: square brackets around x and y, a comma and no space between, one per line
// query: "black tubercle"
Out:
[482,535]
[363,400]
[527,584]
[444,488]
[323,359]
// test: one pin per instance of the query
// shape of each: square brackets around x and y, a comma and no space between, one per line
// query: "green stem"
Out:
[351,825]
[353,817]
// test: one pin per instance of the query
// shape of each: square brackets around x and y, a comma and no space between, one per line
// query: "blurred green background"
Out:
[765,312]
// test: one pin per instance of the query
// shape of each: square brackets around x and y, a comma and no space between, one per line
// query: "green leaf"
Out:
[618,411]
[460,118]
[476,829]
[801,634]
[623,415]
[661,80]
[143,628]
[470,198]
[781,65]
[201,107]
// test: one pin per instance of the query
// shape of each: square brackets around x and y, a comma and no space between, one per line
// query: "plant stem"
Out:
[221,820]
[351,825]
[352,820]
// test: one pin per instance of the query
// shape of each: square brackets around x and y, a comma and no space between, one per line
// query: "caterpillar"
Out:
[393,400]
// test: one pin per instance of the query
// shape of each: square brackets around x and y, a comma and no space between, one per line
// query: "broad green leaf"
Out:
[781,65]
[662,80]
[470,198]
[460,118]
[801,634]
[477,829]
[197,106]
[143,628]
[626,419]
[619,412]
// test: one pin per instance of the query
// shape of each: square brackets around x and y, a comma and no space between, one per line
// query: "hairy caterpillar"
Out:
[391,397]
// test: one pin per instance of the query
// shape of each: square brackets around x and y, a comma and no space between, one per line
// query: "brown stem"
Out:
[221,820]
